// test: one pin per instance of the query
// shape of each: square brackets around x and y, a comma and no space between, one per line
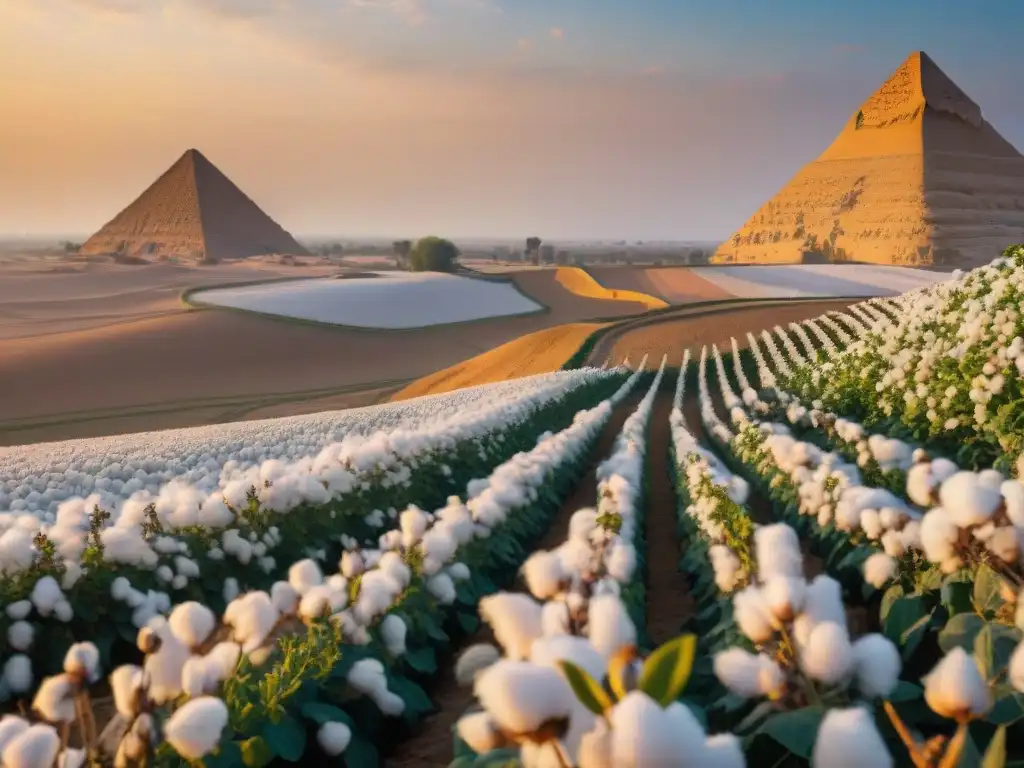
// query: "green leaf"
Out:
[957,597]
[422,660]
[321,713]
[987,591]
[993,647]
[588,691]
[961,631]
[468,622]
[796,730]
[417,702]
[361,753]
[905,691]
[286,738]
[255,752]
[906,623]
[667,669]
[995,755]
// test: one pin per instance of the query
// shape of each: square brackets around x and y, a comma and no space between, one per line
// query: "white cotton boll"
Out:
[413,524]
[544,574]
[892,543]
[334,738]
[479,732]
[1014,670]
[352,564]
[284,598]
[520,697]
[304,575]
[251,617]
[554,618]
[548,651]
[620,562]
[1013,499]
[1005,543]
[784,596]
[777,550]
[442,587]
[459,571]
[82,660]
[516,621]
[315,603]
[125,683]
[828,655]
[595,749]
[192,623]
[955,688]
[939,533]
[473,660]
[991,479]
[55,699]
[911,535]
[392,565]
[196,679]
[879,570]
[752,615]
[22,608]
[878,664]
[18,673]
[871,523]
[645,734]
[723,751]
[20,635]
[608,625]
[230,589]
[163,668]
[10,727]
[393,631]
[45,594]
[967,500]
[848,738]
[748,674]
[195,729]
[367,676]
[71,758]
[35,747]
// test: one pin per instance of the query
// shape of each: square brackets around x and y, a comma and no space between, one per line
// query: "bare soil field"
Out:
[127,355]
[671,333]
[676,285]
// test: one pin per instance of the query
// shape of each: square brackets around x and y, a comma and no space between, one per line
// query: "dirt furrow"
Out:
[431,744]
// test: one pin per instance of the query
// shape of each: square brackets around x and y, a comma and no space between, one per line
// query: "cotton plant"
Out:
[803,654]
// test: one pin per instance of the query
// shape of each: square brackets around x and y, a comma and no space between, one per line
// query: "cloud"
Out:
[557,32]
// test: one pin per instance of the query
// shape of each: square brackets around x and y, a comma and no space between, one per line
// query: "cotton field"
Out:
[389,300]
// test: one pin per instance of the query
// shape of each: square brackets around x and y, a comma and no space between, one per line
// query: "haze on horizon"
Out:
[596,119]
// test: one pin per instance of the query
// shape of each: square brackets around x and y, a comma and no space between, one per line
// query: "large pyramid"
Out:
[915,177]
[195,212]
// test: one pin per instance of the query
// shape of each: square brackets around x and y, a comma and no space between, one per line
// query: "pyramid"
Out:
[916,177]
[192,211]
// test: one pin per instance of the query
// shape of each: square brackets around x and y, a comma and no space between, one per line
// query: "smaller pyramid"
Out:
[194,212]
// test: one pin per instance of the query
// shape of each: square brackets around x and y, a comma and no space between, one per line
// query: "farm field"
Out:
[379,300]
[798,545]
[681,285]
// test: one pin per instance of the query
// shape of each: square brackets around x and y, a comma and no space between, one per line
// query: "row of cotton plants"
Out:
[114,572]
[306,652]
[945,370]
[37,478]
[571,688]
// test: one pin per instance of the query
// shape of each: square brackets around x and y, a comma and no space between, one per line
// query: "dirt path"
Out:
[668,599]
[431,744]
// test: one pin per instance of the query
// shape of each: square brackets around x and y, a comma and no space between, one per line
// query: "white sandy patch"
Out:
[391,300]
[814,280]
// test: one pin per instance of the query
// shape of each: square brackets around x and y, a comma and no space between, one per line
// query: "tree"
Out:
[533,250]
[434,254]
[401,250]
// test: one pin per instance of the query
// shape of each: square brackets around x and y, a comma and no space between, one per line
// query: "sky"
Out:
[602,119]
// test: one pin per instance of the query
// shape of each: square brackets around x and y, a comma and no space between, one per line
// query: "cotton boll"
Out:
[548,651]
[879,570]
[125,683]
[848,738]
[195,729]
[284,598]
[1014,670]
[871,524]
[516,621]
[333,738]
[609,626]
[752,615]
[251,617]
[55,699]
[778,552]
[892,543]
[554,618]
[543,574]
[71,758]
[955,689]
[352,564]
[939,533]
[784,596]
[1005,543]
[645,734]
[82,661]
[473,660]
[45,594]
[304,575]
[748,674]
[442,587]
[196,680]
[595,749]
[1013,499]
[723,751]
[968,500]
[521,697]
[393,631]
[10,727]
[620,562]
[192,623]
[828,655]
[18,673]
[22,608]
[36,746]
[20,635]
[878,664]
[479,732]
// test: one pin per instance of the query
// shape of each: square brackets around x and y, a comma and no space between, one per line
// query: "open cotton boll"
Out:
[251,617]
[392,566]
[753,615]
[36,746]
[10,727]
[879,570]
[192,623]
[1013,499]
[967,500]
[828,655]
[955,688]
[194,730]
[722,751]
[333,738]
[848,738]
[304,575]
[609,626]
[82,661]
[20,635]
[877,664]
[285,598]
[547,651]
[749,674]
[939,533]
[478,730]
[18,673]
[521,696]
[644,734]
[543,574]
[473,660]
[784,596]
[620,561]
[413,524]
[45,595]
[196,679]
[55,699]
[163,668]
[125,683]
[554,618]
[392,632]
[516,621]
[777,550]
[442,587]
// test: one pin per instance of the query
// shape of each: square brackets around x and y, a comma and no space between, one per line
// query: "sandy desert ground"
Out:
[107,349]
